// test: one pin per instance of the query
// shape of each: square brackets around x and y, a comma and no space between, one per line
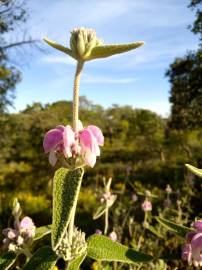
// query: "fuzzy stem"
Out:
[72,218]
[77,77]
[106,221]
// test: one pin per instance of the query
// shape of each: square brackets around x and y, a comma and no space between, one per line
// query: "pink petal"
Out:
[69,140]
[196,241]
[52,158]
[87,140]
[97,133]
[52,138]
[26,223]
[90,158]
[198,225]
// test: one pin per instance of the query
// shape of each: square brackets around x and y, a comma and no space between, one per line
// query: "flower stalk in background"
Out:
[19,238]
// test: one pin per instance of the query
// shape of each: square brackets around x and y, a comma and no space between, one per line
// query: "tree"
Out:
[186,91]
[196,28]
[12,15]
[186,82]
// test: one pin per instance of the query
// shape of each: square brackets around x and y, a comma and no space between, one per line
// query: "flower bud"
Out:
[113,236]
[70,250]
[82,41]
[17,211]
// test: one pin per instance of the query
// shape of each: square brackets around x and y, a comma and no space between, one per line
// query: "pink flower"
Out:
[192,250]
[53,142]
[84,143]
[113,236]
[99,232]
[197,225]
[27,227]
[146,205]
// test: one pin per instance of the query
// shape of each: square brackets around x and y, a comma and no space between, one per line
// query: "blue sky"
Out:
[135,78]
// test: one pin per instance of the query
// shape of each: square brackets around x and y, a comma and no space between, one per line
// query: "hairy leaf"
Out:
[43,259]
[171,226]
[42,231]
[75,264]
[7,260]
[59,47]
[103,51]
[66,186]
[100,211]
[194,170]
[102,248]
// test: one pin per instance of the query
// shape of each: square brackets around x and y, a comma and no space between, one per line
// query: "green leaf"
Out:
[103,51]
[172,257]
[100,211]
[74,265]
[66,186]
[194,170]
[154,231]
[177,229]
[42,231]
[102,248]
[43,259]
[7,260]
[59,47]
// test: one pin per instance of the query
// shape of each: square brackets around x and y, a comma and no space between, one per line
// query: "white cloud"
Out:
[160,107]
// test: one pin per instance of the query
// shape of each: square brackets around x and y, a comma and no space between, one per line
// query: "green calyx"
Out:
[85,46]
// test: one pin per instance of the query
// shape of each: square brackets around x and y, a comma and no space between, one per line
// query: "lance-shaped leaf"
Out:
[43,259]
[66,186]
[194,170]
[59,47]
[7,260]
[100,211]
[42,231]
[102,248]
[104,51]
[171,226]
[75,264]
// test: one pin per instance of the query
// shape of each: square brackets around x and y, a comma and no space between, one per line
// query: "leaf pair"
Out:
[100,51]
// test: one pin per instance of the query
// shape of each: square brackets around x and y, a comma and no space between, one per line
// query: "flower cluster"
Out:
[192,250]
[21,235]
[108,198]
[83,145]
[146,205]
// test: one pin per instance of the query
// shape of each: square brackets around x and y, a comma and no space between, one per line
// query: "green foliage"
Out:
[86,46]
[196,28]
[102,248]
[7,260]
[194,170]
[43,259]
[66,186]
[42,231]
[177,229]
[186,99]
[12,16]
[75,264]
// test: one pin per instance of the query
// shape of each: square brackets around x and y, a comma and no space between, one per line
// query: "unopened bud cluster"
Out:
[82,41]
[70,250]
[15,239]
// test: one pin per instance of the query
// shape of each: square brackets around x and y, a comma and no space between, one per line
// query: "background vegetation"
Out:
[142,150]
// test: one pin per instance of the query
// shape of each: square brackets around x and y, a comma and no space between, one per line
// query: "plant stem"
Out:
[106,221]
[73,212]
[77,77]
